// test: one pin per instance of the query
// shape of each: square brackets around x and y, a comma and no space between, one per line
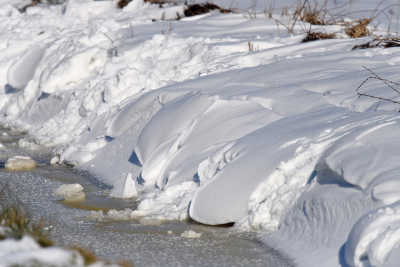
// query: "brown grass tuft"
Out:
[358,28]
[16,218]
[197,9]
[379,41]
[315,36]
[123,3]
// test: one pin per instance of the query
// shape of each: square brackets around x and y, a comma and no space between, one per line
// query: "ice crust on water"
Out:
[19,163]
[265,142]
[111,215]
[190,234]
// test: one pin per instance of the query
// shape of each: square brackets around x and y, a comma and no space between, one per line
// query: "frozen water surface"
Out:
[144,245]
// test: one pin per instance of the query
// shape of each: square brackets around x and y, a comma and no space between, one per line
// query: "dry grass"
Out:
[16,218]
[36,2]
[198,9]
[358,28]
[315,15]
[253,48]
[315,36]
[379,41]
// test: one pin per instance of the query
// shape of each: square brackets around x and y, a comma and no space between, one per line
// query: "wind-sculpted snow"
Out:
[195,125]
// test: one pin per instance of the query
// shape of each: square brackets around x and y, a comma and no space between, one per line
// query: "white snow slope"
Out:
[274,139]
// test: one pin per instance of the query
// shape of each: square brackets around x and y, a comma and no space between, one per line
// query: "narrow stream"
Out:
[114,240]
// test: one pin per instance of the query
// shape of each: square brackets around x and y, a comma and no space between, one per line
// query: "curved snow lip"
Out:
[22,71]
[374,237]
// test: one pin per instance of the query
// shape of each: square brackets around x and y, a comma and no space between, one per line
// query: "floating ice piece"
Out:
[124,188]
[20,163]
[190,234]
[71,192]
[95,215]
[119,215]
[2,147]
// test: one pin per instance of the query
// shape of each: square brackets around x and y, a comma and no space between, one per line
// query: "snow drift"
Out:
[195,125]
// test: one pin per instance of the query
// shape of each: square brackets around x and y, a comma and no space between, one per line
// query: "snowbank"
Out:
[183,116]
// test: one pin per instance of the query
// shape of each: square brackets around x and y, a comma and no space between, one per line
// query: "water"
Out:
[151,245]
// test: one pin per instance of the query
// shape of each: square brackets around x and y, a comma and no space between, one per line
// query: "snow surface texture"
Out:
[184,117]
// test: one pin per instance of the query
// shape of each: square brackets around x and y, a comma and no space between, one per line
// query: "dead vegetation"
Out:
[382,42]
[389,83]
[322,15]
[315,36]
[36,2]
[198,9]
[15,218]
[358,28]
[253,48]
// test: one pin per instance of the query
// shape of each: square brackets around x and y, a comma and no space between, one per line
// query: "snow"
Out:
[26,250]
[124,188]
[183,117]
[19,163]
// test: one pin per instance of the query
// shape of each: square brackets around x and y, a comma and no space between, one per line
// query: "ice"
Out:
[190,234]
[19,163]
[150,221]
[125,187]
[71,192]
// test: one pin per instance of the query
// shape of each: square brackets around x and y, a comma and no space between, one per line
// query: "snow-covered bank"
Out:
[208,129]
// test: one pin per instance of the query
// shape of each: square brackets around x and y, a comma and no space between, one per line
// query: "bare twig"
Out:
[385,81]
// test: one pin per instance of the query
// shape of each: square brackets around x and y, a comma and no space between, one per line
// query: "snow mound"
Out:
[375,238]
[26,252]
[19,163]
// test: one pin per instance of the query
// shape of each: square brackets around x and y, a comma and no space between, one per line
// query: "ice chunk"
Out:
[95,215]
[20,163]
[71,192]
[124,188]
[62,190]
[55,160]
[190,234]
